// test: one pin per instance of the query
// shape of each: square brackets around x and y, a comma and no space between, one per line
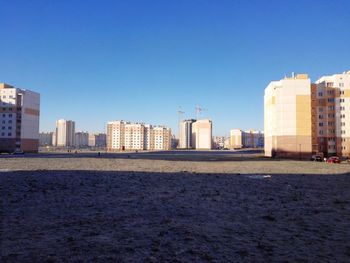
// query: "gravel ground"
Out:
[150,210]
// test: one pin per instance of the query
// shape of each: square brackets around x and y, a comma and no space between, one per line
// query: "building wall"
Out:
[287,117]
[65,133]
[123,135]
[318,113]
[19,119]
[81,139]
[185,139]
[202,134]
[46,138]
[332,105]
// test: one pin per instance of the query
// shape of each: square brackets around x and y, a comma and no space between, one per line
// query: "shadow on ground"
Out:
[94,216]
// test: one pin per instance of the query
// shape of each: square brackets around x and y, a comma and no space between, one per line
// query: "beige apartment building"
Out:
[202,134]
[302,118]
[246,139]
[19,119]
[64,135]
[122,135]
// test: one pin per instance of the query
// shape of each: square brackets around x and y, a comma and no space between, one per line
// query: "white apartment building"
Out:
[81,139]
[246,139]
[287,117]
[202,134]
[185,134]
[122,135]
[65,133]
[45,138]
[97,140]
[19,119]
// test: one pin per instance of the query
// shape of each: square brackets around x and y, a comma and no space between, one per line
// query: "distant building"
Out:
[219,142]
[97,140]
[246,139]
[81,139]
[65,133]
[19,119]
[122,135]
[202,134]
[45,138]
[174,142]
[185,134]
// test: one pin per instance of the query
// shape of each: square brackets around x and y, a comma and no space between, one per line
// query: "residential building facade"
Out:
[185,134]
[45,138]
[65,133]
[246,139]
[202,134]
[97,140]
[19,119]
[303,118]
[81,139]
[122,135]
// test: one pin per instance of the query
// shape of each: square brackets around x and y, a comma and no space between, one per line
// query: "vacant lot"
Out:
[176,207]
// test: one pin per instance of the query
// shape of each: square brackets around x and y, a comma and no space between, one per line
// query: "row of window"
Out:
[8,134]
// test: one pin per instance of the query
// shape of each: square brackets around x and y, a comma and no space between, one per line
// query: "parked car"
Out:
[316,158]
[333,159]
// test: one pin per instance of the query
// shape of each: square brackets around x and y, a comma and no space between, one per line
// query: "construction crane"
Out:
[198,111]
[180,114]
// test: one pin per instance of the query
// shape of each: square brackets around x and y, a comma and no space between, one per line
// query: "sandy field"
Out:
[172,207]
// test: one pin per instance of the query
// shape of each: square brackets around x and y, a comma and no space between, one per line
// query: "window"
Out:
[320,124]
[320,94]
[341,84]
[9,134]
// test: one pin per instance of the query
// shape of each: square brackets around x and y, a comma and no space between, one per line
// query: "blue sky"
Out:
[94,61]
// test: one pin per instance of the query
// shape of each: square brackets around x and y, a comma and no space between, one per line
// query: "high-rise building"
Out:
[45,138]
[97,140]
[330,100]
[123,135]
[302,119]
[185,139]
[81,139]
[65,133]
[19,119]
[287,117]
[246,139]
[219,142]
[202,134]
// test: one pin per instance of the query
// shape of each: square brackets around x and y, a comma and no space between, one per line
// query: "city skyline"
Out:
[128,60]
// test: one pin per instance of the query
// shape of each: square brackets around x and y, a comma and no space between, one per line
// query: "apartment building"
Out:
[81,139]
[122,135]
[19,119]
[246,139]
[65,133]
[331,115]
[162,138]
[303,118]
[97,140]
[185,134]
[202,134]
[45,138]
[219,142]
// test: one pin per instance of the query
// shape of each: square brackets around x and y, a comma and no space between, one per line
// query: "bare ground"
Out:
[135,209]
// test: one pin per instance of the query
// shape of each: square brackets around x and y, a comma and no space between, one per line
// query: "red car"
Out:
[333,159]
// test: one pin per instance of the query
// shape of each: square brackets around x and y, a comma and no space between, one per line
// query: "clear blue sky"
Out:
[94,61]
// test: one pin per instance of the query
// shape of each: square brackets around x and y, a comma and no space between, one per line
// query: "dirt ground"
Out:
[173,208]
